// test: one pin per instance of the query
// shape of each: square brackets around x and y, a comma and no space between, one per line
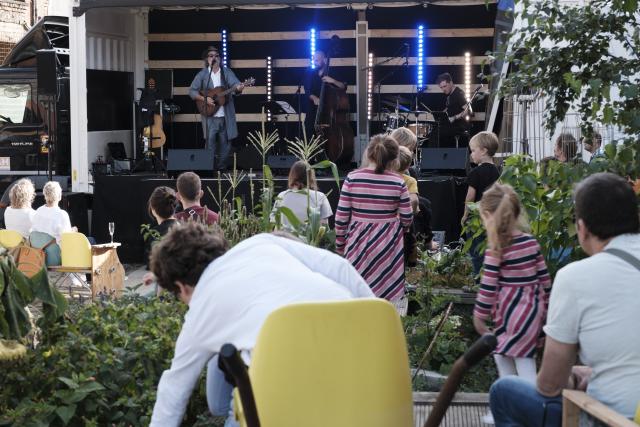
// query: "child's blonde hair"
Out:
[487,140]
[22,194]
[502,202]
[405,138]
[52,192]
[404,158]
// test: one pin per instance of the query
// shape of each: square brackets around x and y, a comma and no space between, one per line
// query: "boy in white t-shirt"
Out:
[19,215]
[49,218]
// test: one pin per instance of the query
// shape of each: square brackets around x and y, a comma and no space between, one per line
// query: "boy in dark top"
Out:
[189,193]
[483,147]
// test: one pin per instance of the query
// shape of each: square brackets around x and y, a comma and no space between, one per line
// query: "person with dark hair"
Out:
[373,212]
[161,206]
[220,128]
[302,199]
[189,194]
[312,86]
[451,131]
[566,148]
[593,307]
[593,144]
[229,302]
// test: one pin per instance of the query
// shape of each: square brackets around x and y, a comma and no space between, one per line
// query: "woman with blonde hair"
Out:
[50,218]
[19,215]
[373,212]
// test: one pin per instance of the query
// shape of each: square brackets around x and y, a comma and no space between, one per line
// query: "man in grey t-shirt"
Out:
[594,311]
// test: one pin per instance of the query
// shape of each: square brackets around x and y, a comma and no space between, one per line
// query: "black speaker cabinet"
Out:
[47,72]
[444,159]
[281,162]
[190,160]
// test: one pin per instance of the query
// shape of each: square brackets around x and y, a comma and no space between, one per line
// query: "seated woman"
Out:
[50,218]
[19,215]
[301,199]
[162,204]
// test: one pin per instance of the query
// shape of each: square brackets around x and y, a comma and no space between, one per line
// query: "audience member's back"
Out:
[595,302]
[19,216]
[189,193]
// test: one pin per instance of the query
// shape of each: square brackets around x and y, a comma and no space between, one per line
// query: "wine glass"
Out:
[112,229]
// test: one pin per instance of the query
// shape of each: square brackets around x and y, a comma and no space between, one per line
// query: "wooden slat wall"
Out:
[176,38]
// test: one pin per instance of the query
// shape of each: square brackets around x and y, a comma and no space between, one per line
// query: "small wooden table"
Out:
[107,275]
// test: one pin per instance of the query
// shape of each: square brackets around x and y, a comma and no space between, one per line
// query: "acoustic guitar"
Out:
[155,132]
[219,96]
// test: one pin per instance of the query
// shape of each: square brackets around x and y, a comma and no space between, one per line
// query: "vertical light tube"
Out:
[370,86]
[224,48]
[420,77]
[312,45]
[467,75]
[269,86]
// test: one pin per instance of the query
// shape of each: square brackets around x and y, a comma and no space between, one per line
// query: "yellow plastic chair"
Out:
[331,364]
[636,419]
[75,252]
[10,238]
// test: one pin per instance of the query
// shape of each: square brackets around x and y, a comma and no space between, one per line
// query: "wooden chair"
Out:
[80,258]
[576,402]
[10,239]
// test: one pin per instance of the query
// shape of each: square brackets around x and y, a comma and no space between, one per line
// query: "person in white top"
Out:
[230,294]
[19,215]
[49,218]
[594,311]
[300,199]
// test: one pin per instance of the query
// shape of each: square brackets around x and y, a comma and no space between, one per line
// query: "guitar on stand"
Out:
[152,135]
[219,96]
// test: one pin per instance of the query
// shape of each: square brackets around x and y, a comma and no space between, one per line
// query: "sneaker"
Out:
[487,418]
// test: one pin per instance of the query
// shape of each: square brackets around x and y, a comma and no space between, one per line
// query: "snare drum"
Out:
[421,130]
[395,121]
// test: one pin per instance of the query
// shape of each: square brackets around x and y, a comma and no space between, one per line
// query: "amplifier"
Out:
[190,160]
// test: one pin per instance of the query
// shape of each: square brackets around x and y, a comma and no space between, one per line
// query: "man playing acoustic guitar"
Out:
[217,112]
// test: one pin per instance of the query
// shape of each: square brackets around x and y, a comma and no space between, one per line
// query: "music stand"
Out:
[279,108]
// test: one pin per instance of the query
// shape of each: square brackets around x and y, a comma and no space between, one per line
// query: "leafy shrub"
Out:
[100,367]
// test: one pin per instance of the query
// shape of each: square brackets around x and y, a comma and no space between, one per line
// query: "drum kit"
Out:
[420,122]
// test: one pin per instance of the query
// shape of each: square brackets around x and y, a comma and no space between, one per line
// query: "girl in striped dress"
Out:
[515,284]
[373,212]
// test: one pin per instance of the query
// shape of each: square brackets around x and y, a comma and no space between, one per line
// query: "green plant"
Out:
[577,56]
[17,291]
[100,367]
[450,268]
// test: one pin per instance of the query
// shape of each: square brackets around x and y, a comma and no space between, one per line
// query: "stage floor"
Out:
[123,199]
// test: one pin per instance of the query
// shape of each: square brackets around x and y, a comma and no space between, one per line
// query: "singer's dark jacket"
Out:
[228,79]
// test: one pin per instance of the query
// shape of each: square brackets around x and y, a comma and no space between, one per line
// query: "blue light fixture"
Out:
[421,73]
[312,45]
[224,47]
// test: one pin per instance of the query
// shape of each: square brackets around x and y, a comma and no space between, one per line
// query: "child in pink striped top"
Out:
[515,285]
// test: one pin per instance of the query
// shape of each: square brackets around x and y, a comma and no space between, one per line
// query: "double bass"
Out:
[332,117]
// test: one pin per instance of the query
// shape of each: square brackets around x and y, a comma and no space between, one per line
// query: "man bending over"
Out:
[230,294]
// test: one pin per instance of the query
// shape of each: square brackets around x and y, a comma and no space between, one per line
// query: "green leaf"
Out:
[291,217]
[66,413]
[607,114]
[69,382]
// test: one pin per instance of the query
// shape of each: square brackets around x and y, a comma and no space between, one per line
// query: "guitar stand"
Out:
[149,160]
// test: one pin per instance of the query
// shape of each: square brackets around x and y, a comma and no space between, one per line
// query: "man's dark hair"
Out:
[607,205]
[444,77]
[188,185]
[209,49]
[184,253]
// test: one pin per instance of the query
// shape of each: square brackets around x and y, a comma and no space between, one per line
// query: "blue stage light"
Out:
[421,52]
[312,46]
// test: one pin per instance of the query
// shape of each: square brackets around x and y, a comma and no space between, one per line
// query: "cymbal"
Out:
[394,105]
[396,98]
[419,112]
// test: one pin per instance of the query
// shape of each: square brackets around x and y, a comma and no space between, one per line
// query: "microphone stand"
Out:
[299,95]
[386,76]
[206,105]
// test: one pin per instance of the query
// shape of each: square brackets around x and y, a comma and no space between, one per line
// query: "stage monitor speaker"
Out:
[281,162]
[190,160]
[444,159]
[164,82]
[47,72]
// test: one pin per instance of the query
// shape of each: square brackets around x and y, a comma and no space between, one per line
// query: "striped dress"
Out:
[514,291]
[373,211]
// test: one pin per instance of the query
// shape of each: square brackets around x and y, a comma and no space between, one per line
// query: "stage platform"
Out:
[123,200]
